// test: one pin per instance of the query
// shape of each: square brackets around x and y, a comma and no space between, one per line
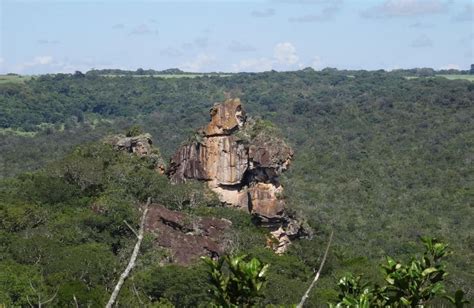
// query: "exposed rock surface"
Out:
[187,238]
[241,162]
[140,145]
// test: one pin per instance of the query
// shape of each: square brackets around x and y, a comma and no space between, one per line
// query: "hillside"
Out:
[378,158]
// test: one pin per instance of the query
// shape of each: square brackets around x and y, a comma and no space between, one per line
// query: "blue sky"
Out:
[63,36]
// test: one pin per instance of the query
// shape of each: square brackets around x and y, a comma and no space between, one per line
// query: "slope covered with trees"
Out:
[379,159]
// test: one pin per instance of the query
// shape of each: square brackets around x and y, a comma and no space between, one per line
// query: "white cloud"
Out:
[199,64]
[401,8]
[285,53]
[42,60]
[450,67]
[36,62]
[284,57]
[316,63]
[254,65]
[48,64]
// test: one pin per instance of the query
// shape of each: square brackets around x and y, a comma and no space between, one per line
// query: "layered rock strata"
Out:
[241,163]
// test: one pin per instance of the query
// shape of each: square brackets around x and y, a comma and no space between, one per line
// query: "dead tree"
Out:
[38,295]
[133,258]
[306,295]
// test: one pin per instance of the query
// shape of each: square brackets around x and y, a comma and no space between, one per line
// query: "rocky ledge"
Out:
[140,145]
[185,237]
[241,161]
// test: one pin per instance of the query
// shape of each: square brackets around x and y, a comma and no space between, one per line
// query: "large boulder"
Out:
[218,158]
[186,238]
[241,162]
[225,118]
[140,145]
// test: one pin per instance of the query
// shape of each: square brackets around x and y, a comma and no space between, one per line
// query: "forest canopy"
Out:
[380,159]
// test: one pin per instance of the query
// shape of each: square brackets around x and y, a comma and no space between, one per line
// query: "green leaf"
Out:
[429,271]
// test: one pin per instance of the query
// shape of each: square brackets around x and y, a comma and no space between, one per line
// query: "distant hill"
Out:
[142,72]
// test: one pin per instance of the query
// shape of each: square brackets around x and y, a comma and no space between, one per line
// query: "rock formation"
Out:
[140,145]
[186,238]
[241,161]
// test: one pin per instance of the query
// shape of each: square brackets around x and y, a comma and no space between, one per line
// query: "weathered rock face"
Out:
[140,145]
[266,202]
[240,164]
[225,118]
[186,238]
[218,155]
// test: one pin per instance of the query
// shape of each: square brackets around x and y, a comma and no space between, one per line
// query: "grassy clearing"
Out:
[452,77]
[13,78]
[11,131]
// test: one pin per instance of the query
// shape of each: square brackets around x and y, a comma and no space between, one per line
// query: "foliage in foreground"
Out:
[236,282]
[414,284]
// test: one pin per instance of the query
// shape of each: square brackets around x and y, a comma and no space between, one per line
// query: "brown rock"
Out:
[266,202]
[188,163]
[225,160]
[187,238]
[270,153]
[140,145]
[225,118]
[218,158]
[243,174]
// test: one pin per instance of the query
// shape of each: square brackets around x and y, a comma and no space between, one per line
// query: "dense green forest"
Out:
[380,159]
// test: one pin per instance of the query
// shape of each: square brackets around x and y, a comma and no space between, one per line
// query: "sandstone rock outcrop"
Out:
[241,161]
[140,145]
[186,238]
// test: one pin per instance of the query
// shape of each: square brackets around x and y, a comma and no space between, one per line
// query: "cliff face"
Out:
[241,163]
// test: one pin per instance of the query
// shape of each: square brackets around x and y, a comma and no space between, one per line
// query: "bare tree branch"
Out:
[76,304]
[49,300]
[28,299]
[133,258]
[306,295]
[131,228]
[40,303]
[136,293]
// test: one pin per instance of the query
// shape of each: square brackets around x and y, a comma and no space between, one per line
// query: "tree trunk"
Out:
[133,258]
[306,295]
